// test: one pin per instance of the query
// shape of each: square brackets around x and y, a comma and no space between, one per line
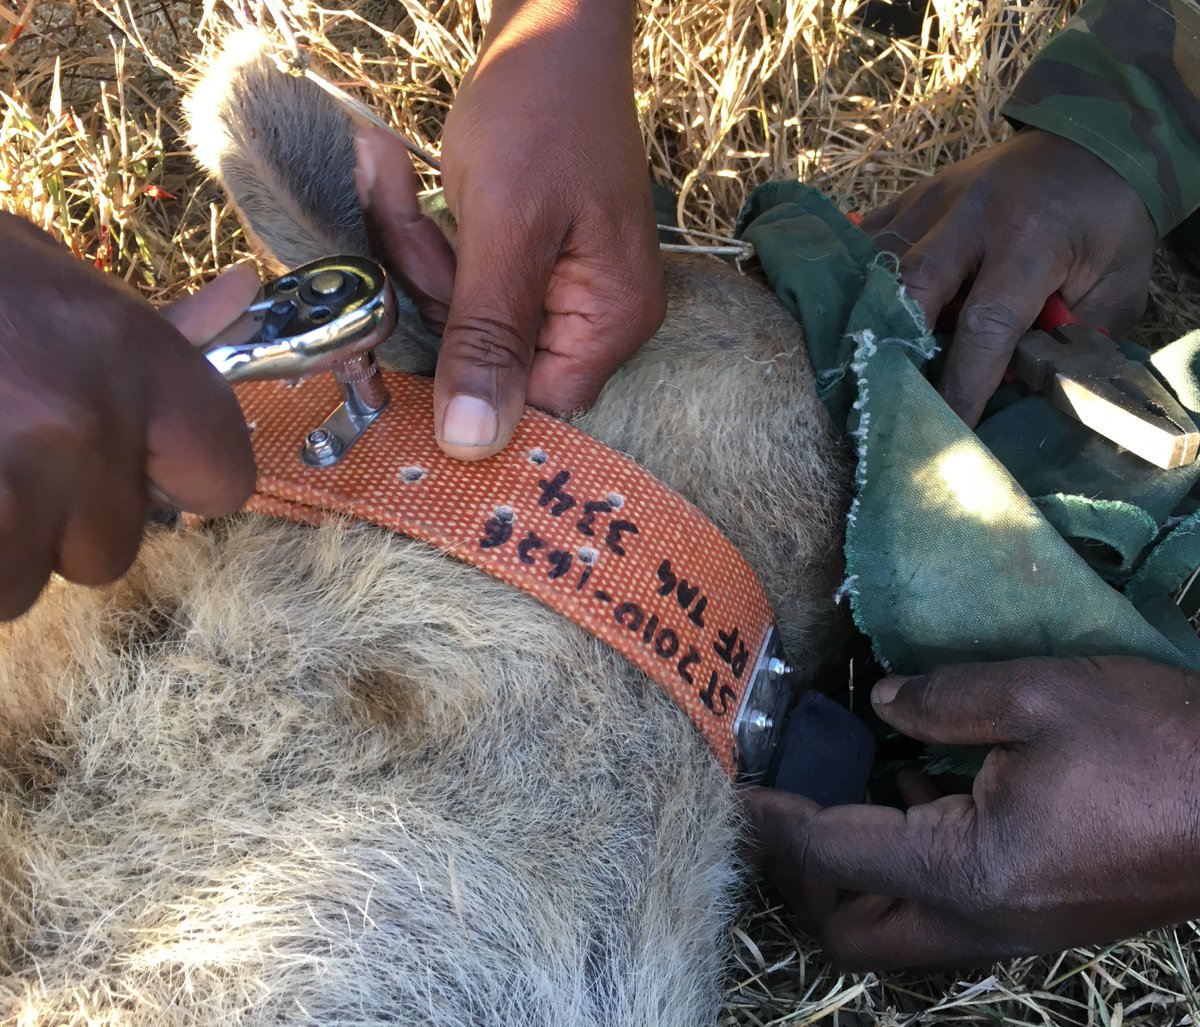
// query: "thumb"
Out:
[198,446]
[202,315]
[968,704]
[488,347]
[199,456]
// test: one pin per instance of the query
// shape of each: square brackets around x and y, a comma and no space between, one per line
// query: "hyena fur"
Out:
[281,774]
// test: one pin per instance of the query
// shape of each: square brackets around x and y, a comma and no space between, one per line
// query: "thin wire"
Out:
[363,111]
[744,251]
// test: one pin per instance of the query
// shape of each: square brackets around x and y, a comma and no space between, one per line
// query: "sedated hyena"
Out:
[280,774]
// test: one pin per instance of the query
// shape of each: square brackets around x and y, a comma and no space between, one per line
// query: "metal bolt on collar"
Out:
[777,668]
[759,721]
[321,447]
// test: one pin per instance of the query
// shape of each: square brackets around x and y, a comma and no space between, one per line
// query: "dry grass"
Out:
[782,979]
[731,93]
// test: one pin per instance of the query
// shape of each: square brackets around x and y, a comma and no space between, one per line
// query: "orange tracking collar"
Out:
[556,514]
[563,517]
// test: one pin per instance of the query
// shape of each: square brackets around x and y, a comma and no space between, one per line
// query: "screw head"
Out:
[321,448]
[759,721]
[777,668]
[326,283]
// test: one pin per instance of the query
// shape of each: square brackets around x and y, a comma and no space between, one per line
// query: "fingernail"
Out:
[469,421]
[364,169]
[886,690]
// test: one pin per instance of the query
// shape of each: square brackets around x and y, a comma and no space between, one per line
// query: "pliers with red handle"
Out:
[1083,372]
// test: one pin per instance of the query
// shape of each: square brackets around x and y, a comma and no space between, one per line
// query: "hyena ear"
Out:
[409,243]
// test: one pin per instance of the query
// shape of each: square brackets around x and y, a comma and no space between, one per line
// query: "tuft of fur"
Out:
[332,776]
[284,150]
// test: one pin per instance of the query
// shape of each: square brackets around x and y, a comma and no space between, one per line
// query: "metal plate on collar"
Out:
[759,722]
[326,445]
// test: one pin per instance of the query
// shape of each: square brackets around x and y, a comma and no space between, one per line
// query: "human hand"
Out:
[102,400]
[559,277]
[1033,215]
[1082,826]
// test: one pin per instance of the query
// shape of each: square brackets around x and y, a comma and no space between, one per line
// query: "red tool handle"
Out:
[1055,313]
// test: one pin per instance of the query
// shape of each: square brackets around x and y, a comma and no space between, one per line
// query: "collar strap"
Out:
[562,517]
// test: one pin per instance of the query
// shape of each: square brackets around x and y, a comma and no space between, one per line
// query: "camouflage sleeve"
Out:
[1122,79]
